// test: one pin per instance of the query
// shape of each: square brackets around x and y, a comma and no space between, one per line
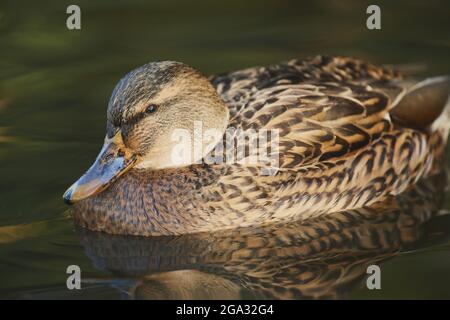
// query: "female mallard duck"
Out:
[349,134]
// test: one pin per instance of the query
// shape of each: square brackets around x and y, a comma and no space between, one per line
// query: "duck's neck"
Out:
[148,203]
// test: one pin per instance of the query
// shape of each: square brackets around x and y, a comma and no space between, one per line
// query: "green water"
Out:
[54,87]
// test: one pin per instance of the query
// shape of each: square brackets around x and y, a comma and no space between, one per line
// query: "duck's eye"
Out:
[151,108]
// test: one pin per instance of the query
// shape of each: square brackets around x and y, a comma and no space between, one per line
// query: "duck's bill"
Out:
[113,161]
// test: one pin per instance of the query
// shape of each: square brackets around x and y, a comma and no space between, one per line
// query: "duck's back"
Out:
[349,133]
[322,108]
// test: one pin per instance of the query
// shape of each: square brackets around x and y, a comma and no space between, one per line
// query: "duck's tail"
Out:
[425,106]
[442,123]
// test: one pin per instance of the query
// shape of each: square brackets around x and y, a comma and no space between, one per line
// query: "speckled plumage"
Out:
[340,149]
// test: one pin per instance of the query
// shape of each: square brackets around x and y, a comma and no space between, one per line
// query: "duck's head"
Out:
[154,112]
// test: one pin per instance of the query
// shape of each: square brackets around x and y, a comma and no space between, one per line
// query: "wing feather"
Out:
[321,108]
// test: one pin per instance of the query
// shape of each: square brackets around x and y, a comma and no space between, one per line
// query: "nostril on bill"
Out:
[108,157]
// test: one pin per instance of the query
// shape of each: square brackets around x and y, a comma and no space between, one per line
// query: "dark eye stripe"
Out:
[136,118]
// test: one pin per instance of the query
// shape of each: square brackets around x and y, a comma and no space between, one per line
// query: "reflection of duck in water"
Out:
[350,134]
[323,257]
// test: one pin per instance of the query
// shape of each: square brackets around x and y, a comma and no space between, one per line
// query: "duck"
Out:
[182,150]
